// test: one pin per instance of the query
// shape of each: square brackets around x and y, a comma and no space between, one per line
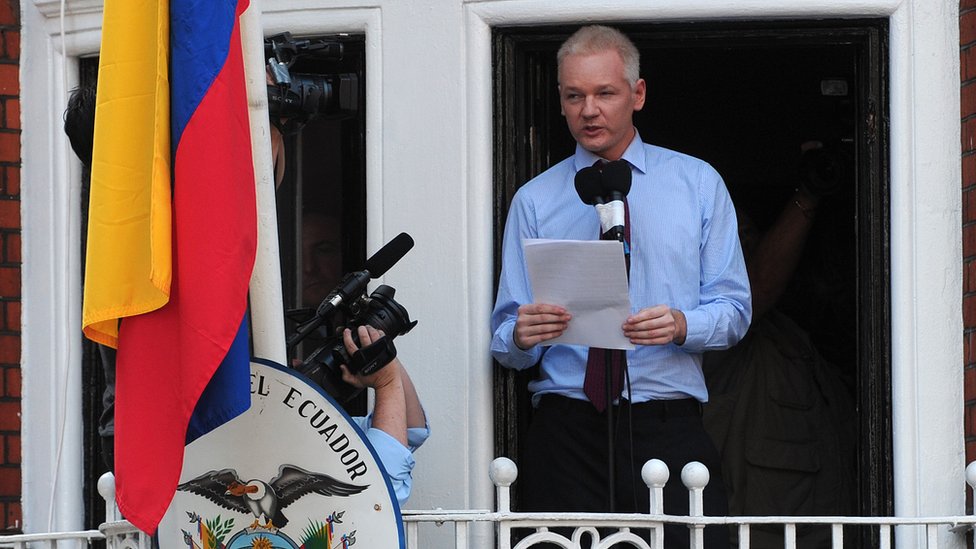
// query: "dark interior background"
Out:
[322,198]
[747,111]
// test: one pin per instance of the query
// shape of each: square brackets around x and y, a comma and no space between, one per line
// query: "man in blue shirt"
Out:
[689,293]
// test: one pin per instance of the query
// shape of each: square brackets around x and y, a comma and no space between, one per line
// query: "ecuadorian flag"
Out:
[172,234]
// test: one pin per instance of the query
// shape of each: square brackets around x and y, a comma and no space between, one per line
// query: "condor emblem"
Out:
[293,472]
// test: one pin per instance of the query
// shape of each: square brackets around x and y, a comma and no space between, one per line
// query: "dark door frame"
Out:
[525,127]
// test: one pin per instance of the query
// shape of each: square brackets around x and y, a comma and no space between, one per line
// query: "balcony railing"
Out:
[576,530]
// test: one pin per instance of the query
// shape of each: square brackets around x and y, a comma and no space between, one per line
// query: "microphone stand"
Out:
[608,386]
[611,459]
[592,187]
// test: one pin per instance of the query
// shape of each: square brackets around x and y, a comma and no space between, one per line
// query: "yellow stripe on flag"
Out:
[129,258]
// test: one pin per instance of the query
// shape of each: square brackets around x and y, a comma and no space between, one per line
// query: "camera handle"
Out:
[373,357]
[351,286]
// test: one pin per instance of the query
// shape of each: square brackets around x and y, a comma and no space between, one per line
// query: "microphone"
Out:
[616,184]
[605,187]
[388,255]
[589,186]
[354,284]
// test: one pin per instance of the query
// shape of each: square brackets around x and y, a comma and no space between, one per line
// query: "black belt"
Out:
[662,409]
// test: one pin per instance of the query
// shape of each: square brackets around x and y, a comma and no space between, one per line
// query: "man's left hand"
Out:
[657,325]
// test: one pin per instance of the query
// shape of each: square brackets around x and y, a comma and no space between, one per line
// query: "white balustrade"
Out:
[594,530]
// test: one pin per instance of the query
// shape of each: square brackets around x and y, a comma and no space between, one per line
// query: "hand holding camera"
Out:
[362,327]
[366,336]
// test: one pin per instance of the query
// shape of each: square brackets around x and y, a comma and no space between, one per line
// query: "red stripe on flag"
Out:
[166,357]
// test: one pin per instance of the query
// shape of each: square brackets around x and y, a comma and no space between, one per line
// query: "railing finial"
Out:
[971,475]
[106,487]
[503,471]
[655,473]
[694,475]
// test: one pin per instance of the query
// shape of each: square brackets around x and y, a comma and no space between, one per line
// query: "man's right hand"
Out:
[380,378]
[538,322]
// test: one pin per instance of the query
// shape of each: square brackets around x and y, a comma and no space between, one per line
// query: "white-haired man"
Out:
[689,293]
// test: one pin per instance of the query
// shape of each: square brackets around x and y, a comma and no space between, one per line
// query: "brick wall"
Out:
[10,262]
[967,68]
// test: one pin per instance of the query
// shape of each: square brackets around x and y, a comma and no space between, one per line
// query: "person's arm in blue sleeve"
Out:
[397,459]
[724,312]
[724,308]
[518,325]
[397,425]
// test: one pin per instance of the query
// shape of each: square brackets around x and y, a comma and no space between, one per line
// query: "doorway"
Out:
[749,98]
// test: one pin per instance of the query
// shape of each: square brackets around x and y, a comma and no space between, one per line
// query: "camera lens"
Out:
[385,314]
[311,95]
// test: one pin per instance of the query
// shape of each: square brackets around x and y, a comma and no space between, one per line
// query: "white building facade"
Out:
[429,166]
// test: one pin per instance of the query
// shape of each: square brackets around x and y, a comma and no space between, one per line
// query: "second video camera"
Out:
[296,98]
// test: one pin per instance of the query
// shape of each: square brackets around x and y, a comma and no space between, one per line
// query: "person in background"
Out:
[321,255]
[782,416]
[79,126]
[689,293]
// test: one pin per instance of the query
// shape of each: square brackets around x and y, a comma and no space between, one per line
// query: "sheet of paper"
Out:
[589,279]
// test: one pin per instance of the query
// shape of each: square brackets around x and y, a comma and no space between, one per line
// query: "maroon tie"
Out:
[594,383]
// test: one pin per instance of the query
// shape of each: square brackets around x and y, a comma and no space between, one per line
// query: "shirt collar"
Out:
[634,155]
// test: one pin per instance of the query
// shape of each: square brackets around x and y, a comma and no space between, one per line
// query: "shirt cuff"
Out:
[505,351]
[417,436]
[396,459]
[697,333]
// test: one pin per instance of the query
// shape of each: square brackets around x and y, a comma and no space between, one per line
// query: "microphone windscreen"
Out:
[588,185]
[388,255]
[617,177]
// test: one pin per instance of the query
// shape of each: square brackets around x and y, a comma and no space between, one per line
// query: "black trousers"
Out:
[565,464]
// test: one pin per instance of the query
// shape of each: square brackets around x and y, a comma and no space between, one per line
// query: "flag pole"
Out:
[267,309]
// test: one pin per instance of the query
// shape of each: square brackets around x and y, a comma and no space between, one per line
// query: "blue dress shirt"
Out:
[396,458]
[685,253]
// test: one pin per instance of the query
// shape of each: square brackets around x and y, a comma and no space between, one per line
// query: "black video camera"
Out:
[348,306]
[296,98]
[825,168]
